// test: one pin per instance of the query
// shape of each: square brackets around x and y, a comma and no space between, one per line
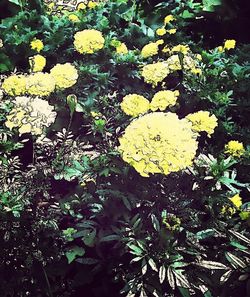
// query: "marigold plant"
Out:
[234,148]
[134,105]
[88,41]
[65,75]
[203,121]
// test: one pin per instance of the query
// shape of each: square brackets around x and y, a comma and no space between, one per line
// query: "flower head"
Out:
[73,18]
[134,105]
[168,19]
[121,49]
[37,63]
[149,50]
[65,75]
[37,45]
[161,31]
[40,84]
[15,85]
[30,115]
[180,48]
[229,44]
[171,31]
[163,99]
[81,6]
[234,148]
[158,143]
[202,121]
[155,73]
[88,41]
[92,4]
[236,200]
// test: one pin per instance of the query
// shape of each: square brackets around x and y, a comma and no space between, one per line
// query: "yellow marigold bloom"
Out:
[174,63]
[196,71]
[158,143]
[88,41]
[134,105]
[149,50]
[81,6]
[92,4]
[161,31]
[65,75]
[73,18]
[202,121]
[155,73]
[14,85]
[234,148]
[30,115]
[40,84]
[121,49]
[37,45]
[229,44]
[168,19]
[171,31]
[159,42]
[236,200]
[220,49]
[37,63]
[166,49]
[181,49]
[163,99]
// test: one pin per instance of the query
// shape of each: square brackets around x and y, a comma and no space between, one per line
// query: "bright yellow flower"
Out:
[14,85]
[65,75]
[202,121]
[234,148]
[171,31]
[134,105]
[155,73]
[161,31]
[149,50]
[30,115]
[92,4]
[174,63]
[37,63]
[159,42]
[37,45]
[40,84]
[81,6]
[220,49]
[229,44]
[163,99]
[196,71]
[168,19]
[180,48]
[158,143]
[121,49]
[88,41]
[236,200]
[73,18]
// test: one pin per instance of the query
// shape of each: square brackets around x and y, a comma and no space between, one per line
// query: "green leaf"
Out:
[187,15]
[211,265]
[17,2]
[162,274]
[134,249]
[155,222]
[152,264]
[110,238]
[184,292]
[73,252]
[238,245]
[87,261]
[205,233]
[89,237]
[235,261]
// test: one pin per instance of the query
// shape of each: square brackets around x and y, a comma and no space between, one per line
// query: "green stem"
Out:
[47,281]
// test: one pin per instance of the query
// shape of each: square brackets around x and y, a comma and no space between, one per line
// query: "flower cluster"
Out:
[37,63]
[65,75]
[14,85]
[158,143]
[149,50]
[134,105]
[234,148]
[40,84]
[155,73]
[88,41]
[202,121]
[30,115]
[163,99]
[37,45]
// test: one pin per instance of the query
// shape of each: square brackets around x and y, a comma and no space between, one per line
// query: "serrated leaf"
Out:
[152,264]
[170,277]
[211,265]
[162,274]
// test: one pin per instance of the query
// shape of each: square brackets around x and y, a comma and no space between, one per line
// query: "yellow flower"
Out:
[73,18]
[163,99]
[81,6]
[134,105]
[40,84]
[168,19]
[181,49]
[234,148]
[220,49]
[161,31]
[196,71]
[159,42]
[171,31]
[37,45]
[14,85]
[65,75]
[121,49]
[30,115]
[92,4]
[158,143]
[37,63]
[229,44]
[88,41]
[174,63]
[149,50]
[155,73]
[236,200]
[166,49]
[202,121]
